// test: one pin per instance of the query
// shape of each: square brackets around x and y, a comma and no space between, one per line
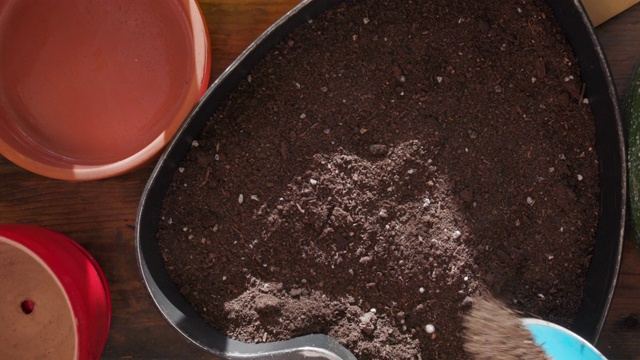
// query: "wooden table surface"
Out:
[100,215]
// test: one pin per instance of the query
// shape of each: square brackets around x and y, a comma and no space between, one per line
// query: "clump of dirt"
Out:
[383,164]
[495,332]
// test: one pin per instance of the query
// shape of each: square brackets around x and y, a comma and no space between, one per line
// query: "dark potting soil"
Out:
[382,165]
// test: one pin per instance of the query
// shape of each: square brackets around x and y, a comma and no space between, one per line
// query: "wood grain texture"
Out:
[100,215]
[620,39]
[233,25]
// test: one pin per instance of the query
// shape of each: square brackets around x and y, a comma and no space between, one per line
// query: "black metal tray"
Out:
[602,272]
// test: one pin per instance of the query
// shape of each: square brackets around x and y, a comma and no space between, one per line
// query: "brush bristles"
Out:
[492,331]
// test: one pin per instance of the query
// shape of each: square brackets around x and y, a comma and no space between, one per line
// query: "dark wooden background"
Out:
[100,215]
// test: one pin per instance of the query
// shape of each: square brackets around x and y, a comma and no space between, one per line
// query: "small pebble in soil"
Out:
[430,328]
[378,149]
[368,322]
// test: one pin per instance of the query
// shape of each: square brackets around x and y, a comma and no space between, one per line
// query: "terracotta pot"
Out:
[91,89]
[54,298]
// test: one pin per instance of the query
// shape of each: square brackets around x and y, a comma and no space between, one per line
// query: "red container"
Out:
[54,298]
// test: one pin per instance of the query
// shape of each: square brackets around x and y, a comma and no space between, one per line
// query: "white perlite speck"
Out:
[365,20]
[530,200]
[421,290]
[430,328]
[313,181]
[240,198]
[195,143]
[456,234]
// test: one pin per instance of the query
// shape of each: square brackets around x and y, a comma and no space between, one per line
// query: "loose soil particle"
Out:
[381,165]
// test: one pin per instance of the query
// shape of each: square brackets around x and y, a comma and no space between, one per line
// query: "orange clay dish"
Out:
[91,89]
